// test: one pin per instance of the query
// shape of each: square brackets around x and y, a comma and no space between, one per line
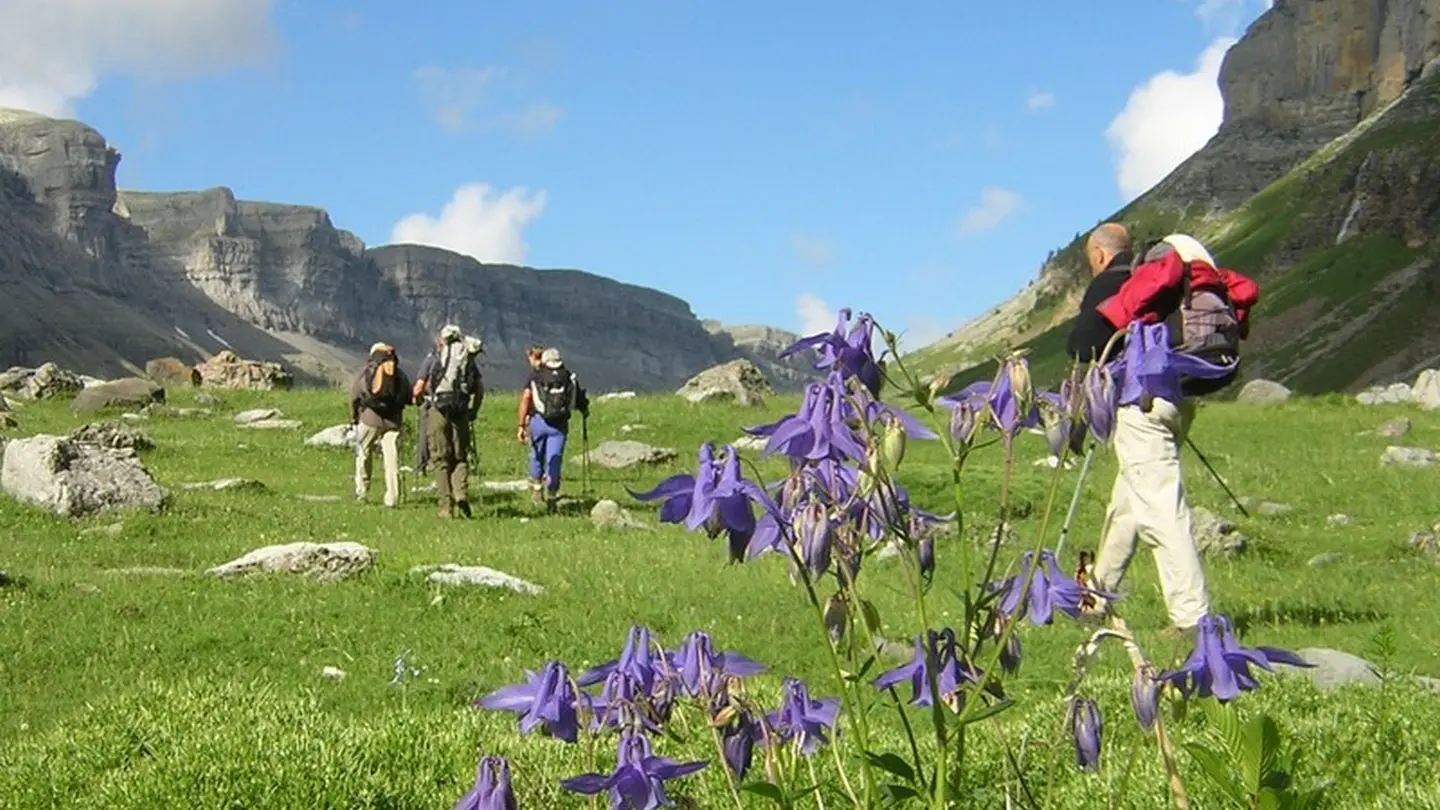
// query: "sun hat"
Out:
[551,358]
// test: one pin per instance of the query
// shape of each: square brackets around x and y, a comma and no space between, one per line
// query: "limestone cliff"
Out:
[1329,141]
[101,281]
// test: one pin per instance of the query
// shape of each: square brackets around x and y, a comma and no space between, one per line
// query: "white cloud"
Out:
[1166,120]
[539,117]
[477,223]
[454,96]
[996,205]
[1040,101]
[815,315]
[920,331]
[1229,17]
[813,250]
[55,52]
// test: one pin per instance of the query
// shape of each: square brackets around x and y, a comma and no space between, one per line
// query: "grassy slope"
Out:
[1342,277]
[149,691]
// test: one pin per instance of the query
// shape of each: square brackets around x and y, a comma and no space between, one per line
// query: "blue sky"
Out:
[768,162]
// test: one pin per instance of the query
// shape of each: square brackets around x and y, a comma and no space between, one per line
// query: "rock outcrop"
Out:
[227,370]
[737,381]
[131,392]
[77,478]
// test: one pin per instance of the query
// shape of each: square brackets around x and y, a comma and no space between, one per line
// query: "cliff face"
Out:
[1324,168]
[101,281]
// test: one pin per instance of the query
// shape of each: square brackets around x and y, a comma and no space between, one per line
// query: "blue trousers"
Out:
[547,452]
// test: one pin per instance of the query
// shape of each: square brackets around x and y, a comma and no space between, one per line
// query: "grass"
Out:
[128,691]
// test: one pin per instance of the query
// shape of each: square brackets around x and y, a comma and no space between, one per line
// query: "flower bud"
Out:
[1019,370]
[927,556]
[1010,654]
[963,421]
[837,616]
[812,533]
[1145,697]
[892,443]
[1086,725]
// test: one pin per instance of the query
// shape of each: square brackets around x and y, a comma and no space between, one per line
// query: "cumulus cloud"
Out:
[477,222]
[996,205]
[1166,120]
[455,96]
[55,52]
[1040,101]
[813,250]
[814,314]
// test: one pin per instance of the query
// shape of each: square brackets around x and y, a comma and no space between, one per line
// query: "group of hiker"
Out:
[1205,307]
[449,391]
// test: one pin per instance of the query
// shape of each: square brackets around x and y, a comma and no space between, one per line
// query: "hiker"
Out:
[451,389]
[378,397]
[552,394]
[533,355]
[1147,501]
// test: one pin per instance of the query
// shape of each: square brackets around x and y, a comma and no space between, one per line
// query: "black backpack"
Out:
[553,392]
[381,391]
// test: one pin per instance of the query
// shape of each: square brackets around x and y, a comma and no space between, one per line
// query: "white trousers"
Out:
[389,441]
[1148,504]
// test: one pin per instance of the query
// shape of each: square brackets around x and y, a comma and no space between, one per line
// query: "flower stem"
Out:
[730,777]
[815,780]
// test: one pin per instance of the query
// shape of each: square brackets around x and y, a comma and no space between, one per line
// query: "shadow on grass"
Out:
[1309,615]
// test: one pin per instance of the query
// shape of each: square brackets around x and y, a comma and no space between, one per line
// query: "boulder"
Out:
[335,436]
[739,381]
[608,514]
[114,435]
[130,392]
[1414,458]
[1395,394]
[74,479]
[325,562]
[1426,391]
[1263,392]
[1393,428]
[228,370]
[619,454]
[49,381]
[171,371]
[476,576]
[1331,668]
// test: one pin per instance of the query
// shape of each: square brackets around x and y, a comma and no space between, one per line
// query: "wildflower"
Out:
[849,354]
[813,534]
[803,718]
[680,491]
[547,700]
[699,665]
[1048,590]
[737,741]
[716,498]
[623,704]
[492,789]
[638,781]
[817,431]
[1151,369]
[1219,666]
[927,556]
[636,660]
[1086,725]
[1100,401]
[964,418]
[1010,654]
[1016,372]
[949,674]
[897,417]
[1145,697]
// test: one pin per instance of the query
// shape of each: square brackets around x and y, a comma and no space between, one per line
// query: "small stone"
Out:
[1335,521]
[325,562]
[1414,458]
[479,576]
[342,436]
[226,485]
[333,674]
[517,485]
[1324,559]
[320,498]
[148,571]
[1263,392]
[1273,509]
[256,415]
[1215,536]
[87,589]
[273,424]
[1426,542]
[614,395]
[608,514]
[633,428]
[111,530]
[621,454]
[209,400]
[1333,668]
[752,443]
[1393,428]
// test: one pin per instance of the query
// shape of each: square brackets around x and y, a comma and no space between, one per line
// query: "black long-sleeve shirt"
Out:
[1091,331]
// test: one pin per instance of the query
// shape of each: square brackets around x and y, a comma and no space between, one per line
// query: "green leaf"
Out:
[989,711]
[871,614]
[897,794]
[892,764]
[768,791]
[1216,770]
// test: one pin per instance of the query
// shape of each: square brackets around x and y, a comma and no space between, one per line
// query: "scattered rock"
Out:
[617,455]
[1393,428]
[1273,509]
[227,370]
[74,479]
[273,424]
[115,435]
[608,514]
[1214,535]
[109,530]
[136,416]
[476,576]
[86,589]
[1263,392]
[1335,521]
[633,428]
[320,498]
[1426,392]
[49,381]
[189,413]
[1395,394]
[1414,458]
[149,571]
[739,381]
[332,674]
[1321,560]
[325,562]
[753,443]
[518,485]
[614,395]
[209,400]
[1426,542]
[257,415]
[1333,668]
[131,392]
[171,371]
[226,485]
[335,436]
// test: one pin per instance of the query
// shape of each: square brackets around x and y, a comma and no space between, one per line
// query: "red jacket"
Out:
[1140,295]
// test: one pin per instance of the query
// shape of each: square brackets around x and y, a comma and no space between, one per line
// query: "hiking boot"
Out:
[537,496]
[552,503]
[464,507]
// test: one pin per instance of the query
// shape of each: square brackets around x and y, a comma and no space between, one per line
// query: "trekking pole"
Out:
[1216,476]
[1074,501]
[585,454]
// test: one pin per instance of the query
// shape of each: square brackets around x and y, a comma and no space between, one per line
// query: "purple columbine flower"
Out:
[680,491]
[492,789]
[1010,654]
[1049,590]
[803,718]
[738,734]
[1219,666]
[623,704]
[1100,402]
[950,671]
[638,781]
[699,666]
[927,556]
[638,659]
[819,430]
[1151,368]
[1145,697]
[814,534]
[848,353]
[1086,725]
[716,498]
[547,701]
[993,402]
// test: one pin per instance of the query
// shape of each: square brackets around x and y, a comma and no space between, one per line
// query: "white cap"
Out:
[551,358]
[1189,248]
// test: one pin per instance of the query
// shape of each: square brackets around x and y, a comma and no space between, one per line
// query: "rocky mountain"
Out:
[1319,184]
[101,280]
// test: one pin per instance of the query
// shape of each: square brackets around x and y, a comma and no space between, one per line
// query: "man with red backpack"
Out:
[1205,309]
